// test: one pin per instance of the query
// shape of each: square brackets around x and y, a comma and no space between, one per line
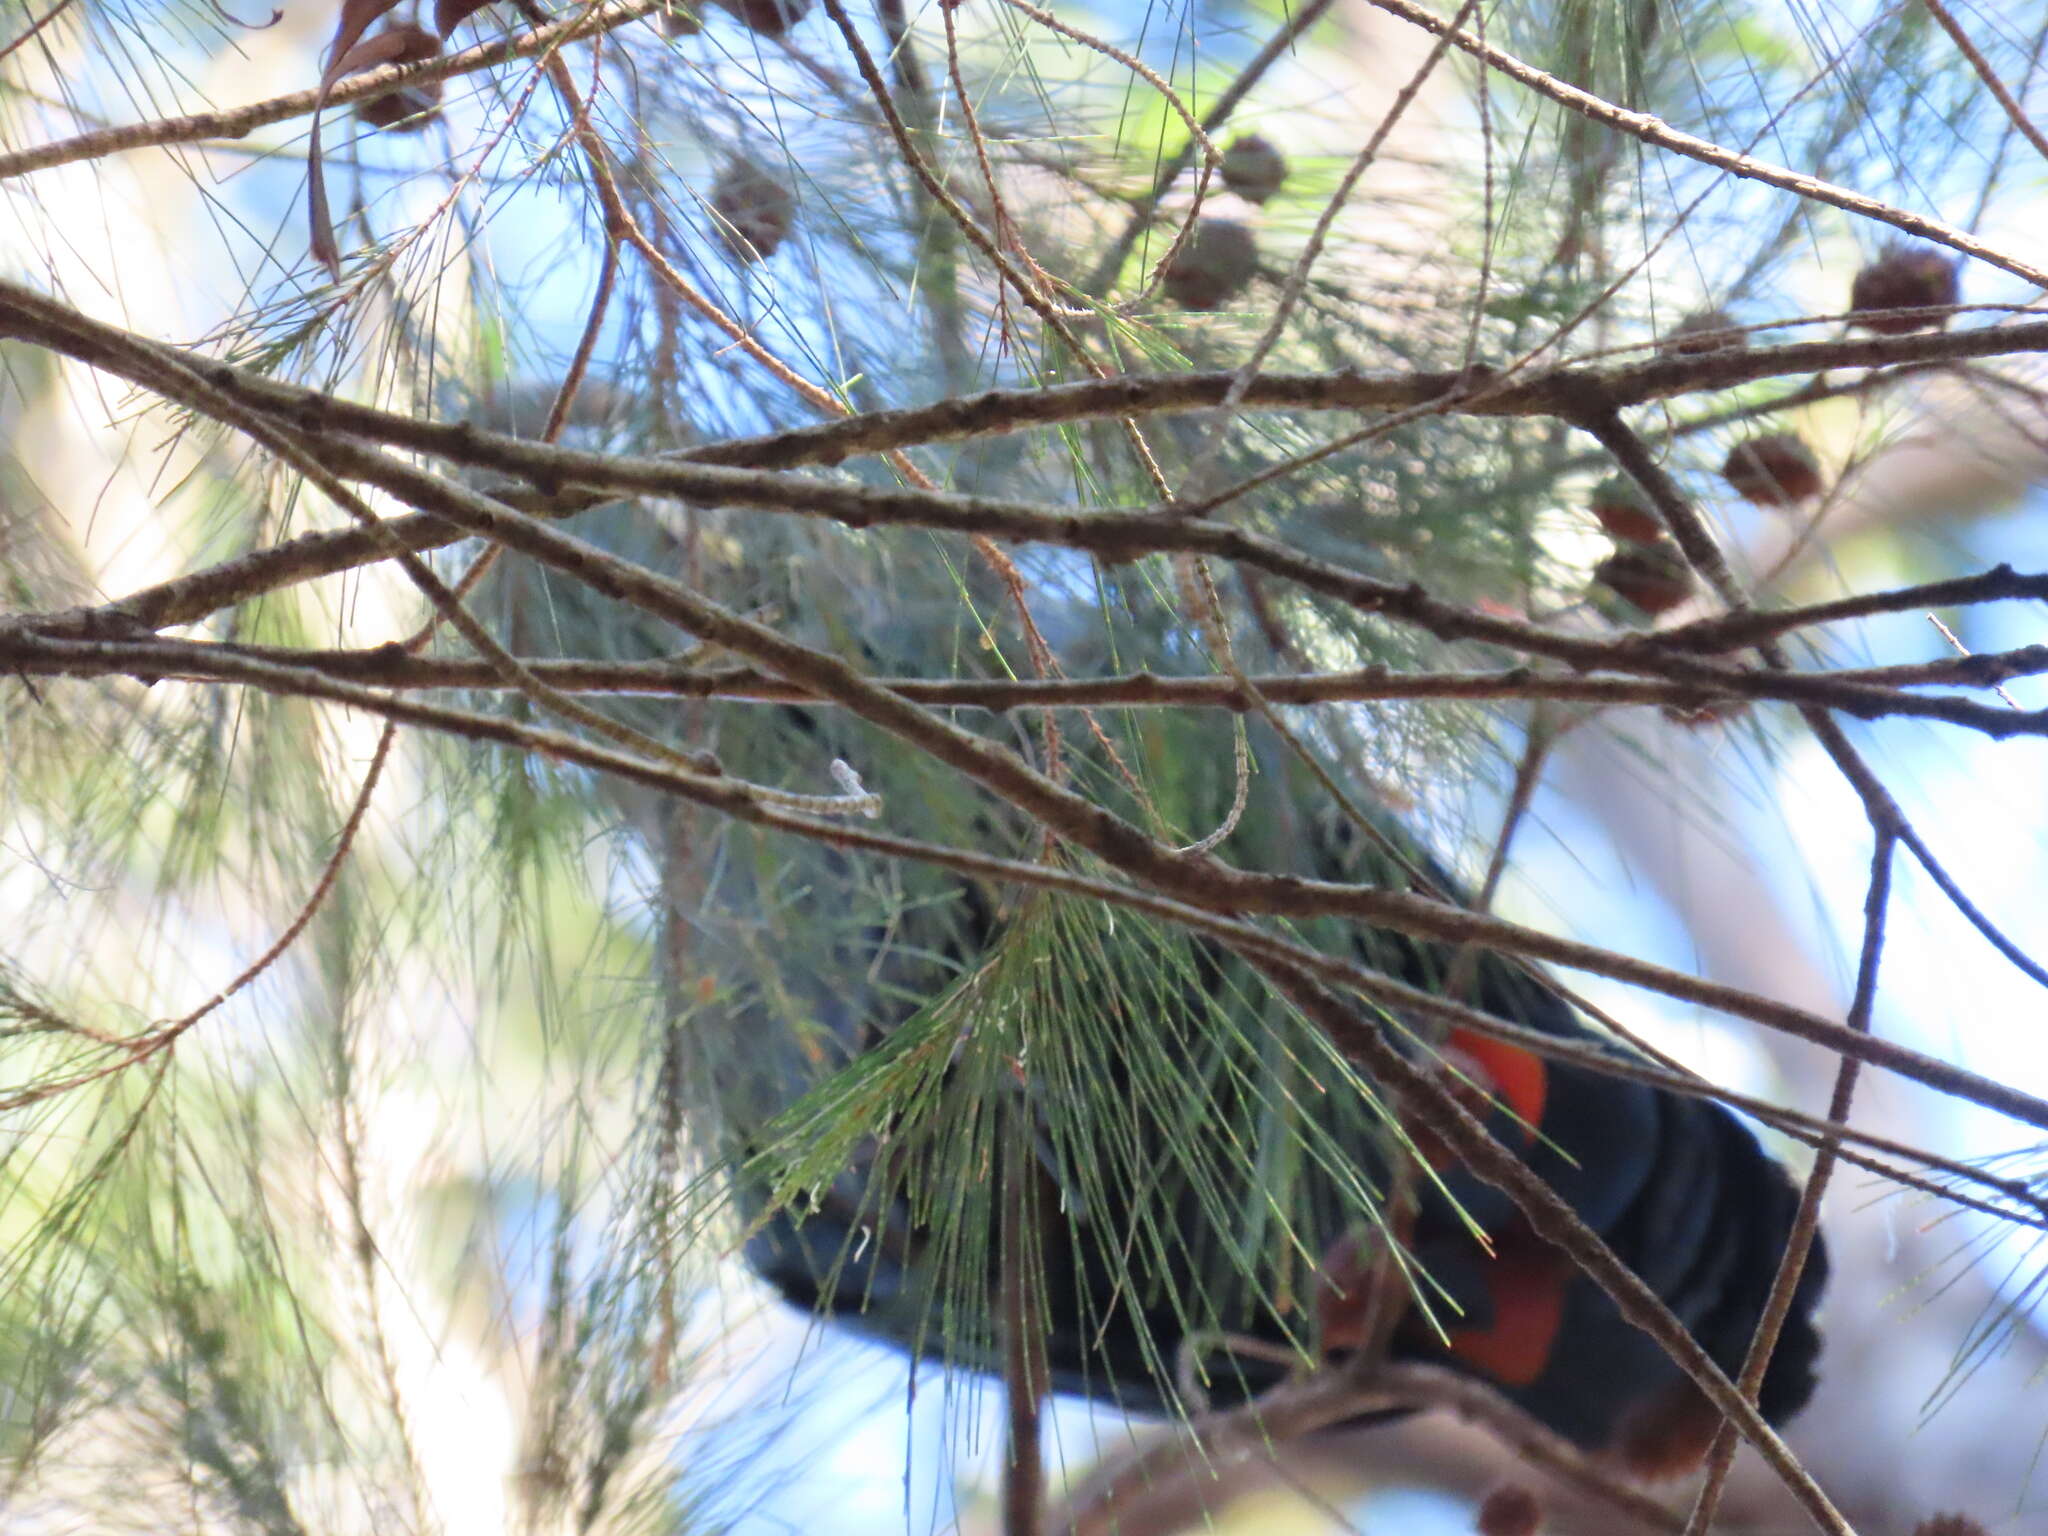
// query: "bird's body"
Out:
[1199,1168]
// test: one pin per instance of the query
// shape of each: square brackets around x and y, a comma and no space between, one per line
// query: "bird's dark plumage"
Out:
[1207,1209]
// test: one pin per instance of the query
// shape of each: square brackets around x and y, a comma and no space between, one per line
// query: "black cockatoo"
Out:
[1201,1167]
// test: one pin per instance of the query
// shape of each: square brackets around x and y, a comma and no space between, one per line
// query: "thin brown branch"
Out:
[1887,820]
[1735,630]
[558,418]
[1054,316]
[1213,889]
[237,122]
[1299,19]
[1661,135]
[1806,1220]
[1569,390]
[936,189]
[1871,692]
[157,1041]
[1319,233]
[1021,1310]
[1972,913]
[363,1246]
[1198,136]
[1209,1444]
[34,28]
[2014,112]
[1112,535]
[176,382]
[1689,530]
[1201,881]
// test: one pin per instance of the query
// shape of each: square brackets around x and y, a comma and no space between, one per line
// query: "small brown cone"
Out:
[1669,1437]
[1624,511]
[1698,716]
[406,111]
[1653,578]
[752,212]
[683,18]
[1910,278]
[1706,330]
[1361,1295]
[1950,1525]
[1218,263]
[771,18]
[1773,471]
[407,108]
[1253,168]
[1510,1510]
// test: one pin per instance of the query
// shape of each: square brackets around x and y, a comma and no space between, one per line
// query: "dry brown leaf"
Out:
[450,14]
[357,17]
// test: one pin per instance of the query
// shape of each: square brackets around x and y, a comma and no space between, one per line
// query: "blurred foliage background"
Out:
[423,1228]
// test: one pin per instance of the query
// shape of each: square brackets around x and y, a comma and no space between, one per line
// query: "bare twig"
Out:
[1868,692]
[1806,1221]
[236,122]
[2008,103]
[1208,1445]
[1212,888]
[1661,135]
